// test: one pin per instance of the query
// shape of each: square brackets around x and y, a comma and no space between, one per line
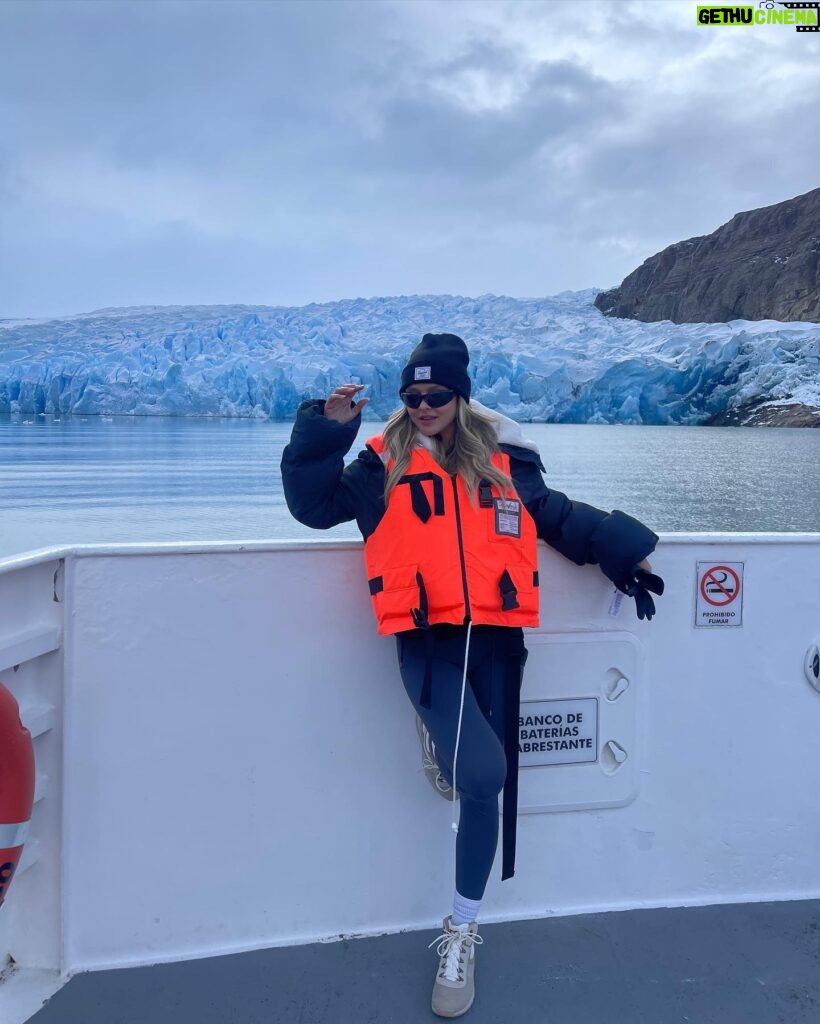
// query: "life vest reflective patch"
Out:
[438,557]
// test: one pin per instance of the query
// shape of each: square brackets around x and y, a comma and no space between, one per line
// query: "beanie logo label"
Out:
[422,373]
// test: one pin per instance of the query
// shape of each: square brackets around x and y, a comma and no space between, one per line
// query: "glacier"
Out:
[555,359]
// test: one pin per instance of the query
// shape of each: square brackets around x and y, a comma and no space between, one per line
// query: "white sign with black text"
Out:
[563,731]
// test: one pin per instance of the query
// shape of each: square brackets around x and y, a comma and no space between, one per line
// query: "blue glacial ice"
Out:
[555,359]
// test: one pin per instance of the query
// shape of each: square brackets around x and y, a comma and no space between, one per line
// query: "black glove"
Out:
[638,586]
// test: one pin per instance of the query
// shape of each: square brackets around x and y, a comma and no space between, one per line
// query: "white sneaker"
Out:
[429,763]
[454,990]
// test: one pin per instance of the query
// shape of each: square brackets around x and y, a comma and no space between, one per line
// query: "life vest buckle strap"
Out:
[422,621]
[485,494]
[376,585]
[509,592]
[420,614]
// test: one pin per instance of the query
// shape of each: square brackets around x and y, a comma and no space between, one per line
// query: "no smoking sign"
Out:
[719,599]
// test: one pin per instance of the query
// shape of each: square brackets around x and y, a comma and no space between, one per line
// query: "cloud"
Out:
[286,152]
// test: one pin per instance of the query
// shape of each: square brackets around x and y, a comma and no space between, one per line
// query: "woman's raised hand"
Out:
[338,405]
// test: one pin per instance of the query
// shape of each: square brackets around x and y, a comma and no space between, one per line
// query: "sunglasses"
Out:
[435,399]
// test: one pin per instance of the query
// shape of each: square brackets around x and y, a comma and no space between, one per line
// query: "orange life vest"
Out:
[435,557]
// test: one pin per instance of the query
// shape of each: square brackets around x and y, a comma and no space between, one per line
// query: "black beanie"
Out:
[439,359]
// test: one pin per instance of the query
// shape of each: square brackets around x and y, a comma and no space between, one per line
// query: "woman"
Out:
[450,501]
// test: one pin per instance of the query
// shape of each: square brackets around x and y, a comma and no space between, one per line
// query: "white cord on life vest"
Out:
[458,730]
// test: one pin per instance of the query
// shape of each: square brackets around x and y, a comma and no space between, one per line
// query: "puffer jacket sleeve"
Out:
[320,490]
[582,533]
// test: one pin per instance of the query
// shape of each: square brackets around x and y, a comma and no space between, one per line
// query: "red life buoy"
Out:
[16,787]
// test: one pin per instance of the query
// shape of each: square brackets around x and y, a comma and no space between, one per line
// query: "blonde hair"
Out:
[474,443]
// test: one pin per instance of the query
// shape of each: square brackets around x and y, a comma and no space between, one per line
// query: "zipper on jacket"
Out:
[461,551]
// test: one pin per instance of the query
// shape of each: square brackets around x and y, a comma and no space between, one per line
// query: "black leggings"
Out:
[482,764]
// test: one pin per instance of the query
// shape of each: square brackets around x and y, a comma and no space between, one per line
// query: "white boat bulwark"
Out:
[227,760]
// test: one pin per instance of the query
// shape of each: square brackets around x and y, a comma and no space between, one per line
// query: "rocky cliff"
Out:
[763,264]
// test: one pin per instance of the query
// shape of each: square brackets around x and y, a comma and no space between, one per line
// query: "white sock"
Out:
[464,910]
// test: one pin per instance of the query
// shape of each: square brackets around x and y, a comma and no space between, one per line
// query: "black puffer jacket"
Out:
[321,491]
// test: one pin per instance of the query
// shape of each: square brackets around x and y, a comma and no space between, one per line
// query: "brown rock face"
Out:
[761,265]
[759,415]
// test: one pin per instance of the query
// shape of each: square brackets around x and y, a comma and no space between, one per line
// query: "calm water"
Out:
[89,480]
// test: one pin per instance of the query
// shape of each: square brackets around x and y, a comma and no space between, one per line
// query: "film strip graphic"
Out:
[814,6]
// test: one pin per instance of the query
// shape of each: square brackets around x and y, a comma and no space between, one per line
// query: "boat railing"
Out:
[226,759]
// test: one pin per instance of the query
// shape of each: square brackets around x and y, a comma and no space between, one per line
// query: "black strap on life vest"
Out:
[515,660]
[509,593]
[421,621]
[418,499]
[426,696]
[485,494]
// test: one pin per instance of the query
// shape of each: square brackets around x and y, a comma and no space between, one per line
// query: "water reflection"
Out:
[120,479]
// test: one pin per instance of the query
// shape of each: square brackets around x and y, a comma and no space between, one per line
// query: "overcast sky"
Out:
[284,153]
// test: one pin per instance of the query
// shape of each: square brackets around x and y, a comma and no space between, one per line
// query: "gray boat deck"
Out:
[753,963]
